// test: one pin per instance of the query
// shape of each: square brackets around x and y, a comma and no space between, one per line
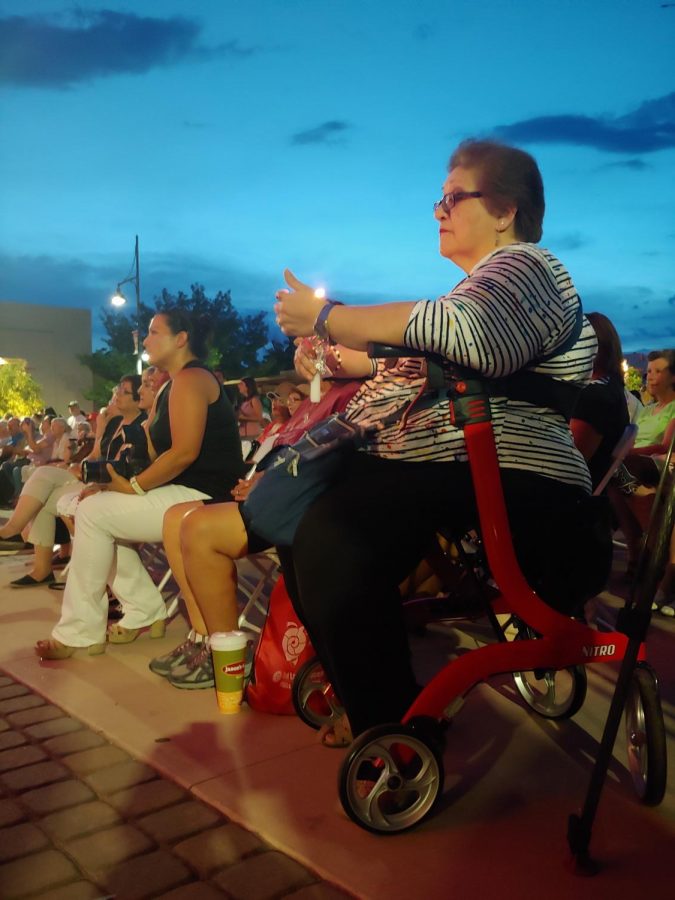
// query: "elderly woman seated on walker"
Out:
[516,309]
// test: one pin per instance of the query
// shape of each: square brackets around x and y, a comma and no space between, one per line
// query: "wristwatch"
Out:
[321,324]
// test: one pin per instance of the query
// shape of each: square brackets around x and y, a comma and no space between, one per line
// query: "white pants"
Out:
[47,484]
[104,523]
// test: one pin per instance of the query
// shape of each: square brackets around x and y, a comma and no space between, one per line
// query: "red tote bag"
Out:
[283,647]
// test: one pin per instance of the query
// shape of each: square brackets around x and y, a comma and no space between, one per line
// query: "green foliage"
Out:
[20,394]
[633,379]
[239,345]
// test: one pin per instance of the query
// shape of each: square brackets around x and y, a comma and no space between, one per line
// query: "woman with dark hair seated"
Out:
[195,453]
[515,311]
[601,414]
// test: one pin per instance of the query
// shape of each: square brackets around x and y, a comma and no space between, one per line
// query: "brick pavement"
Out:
[80,819]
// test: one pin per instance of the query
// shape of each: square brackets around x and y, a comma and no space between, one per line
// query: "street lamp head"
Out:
[118,298]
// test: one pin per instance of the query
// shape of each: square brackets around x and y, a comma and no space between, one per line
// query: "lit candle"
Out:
[315,386]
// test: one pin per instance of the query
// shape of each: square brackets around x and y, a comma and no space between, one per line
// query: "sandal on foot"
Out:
[338,735]
[118,634]
[53,649]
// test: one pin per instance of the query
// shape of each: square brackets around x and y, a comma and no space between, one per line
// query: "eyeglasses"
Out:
[447,201]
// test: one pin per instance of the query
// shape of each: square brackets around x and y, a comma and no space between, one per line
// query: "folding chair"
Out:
[256,576]
[623,447]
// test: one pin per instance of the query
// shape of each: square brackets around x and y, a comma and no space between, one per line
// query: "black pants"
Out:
[353,548]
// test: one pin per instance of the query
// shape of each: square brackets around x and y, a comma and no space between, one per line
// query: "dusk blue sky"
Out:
[238,138]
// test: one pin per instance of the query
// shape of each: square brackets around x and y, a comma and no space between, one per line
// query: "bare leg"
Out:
[25,511]
[173,518]
[211,538]
[42,562]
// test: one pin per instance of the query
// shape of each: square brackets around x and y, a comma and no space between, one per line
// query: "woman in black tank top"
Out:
[195,455]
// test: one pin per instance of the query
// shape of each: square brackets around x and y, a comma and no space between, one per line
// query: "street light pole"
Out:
[119,300]
[137,282]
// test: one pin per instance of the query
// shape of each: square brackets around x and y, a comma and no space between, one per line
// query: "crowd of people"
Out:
[175,452]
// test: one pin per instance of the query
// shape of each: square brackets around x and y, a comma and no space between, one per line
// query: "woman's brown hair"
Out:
[507,177]
[609,358]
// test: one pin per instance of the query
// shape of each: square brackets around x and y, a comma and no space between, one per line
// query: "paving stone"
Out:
[147,797]
[12,690]
[34,776]
[212,850]
[27,701]
[20,840]
[145,876]
[198,890]
[53,728]
[75,742]
[57,796]
[322,890]
[20,756]
[80,890]
[108,847]
[79,820]
[47,869]
[263,877]
[99,758]
[123,775]
[41,712]
[180,821]
[11,739]
[10,813]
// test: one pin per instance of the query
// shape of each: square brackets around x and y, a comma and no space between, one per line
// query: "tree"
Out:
[239,346]
[633,379]
[20,394]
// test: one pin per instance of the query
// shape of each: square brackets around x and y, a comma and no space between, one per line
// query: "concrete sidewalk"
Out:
[512,779]
[81,819]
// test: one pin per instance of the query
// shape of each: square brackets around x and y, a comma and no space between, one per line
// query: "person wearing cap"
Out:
[76,415]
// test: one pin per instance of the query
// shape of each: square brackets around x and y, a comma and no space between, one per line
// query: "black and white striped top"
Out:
[515,307]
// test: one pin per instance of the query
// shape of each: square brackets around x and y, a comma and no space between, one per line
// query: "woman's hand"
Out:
[304,359]
[118,484]
[89,490]
[242,488]
[296,309]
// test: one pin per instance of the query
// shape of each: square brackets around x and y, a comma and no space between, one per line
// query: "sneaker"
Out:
[196,673]
[668,610]
[179,656]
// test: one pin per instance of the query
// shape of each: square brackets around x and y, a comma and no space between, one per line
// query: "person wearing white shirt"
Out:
[76,415]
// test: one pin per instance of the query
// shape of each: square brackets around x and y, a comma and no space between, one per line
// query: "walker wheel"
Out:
[551,693]
[391,778]
[646,737]
[313,697]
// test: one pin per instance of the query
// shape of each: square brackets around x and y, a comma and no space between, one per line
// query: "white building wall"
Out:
[49,338]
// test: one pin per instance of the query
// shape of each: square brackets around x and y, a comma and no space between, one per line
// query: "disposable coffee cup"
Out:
[228,649]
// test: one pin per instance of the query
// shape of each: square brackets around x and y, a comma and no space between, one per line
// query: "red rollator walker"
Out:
[393,774]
